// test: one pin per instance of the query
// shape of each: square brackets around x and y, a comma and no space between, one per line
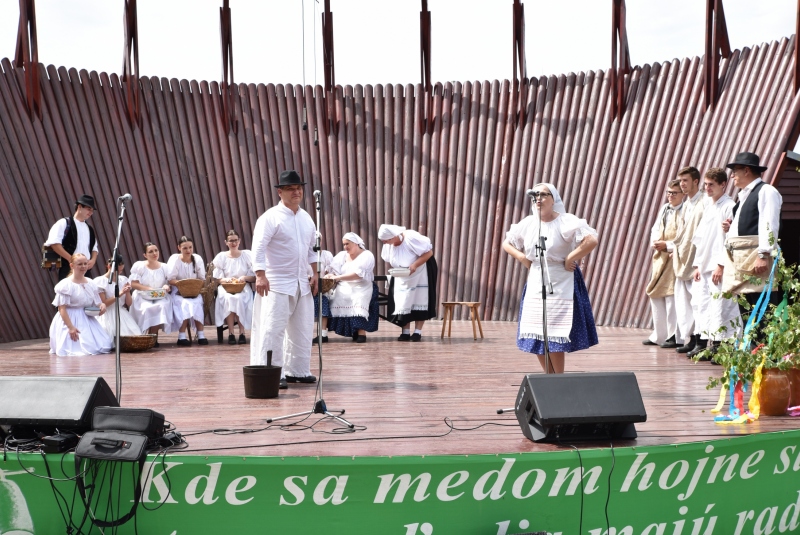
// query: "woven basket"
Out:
[233,287]
[142,342]
[190,287]
[327,285]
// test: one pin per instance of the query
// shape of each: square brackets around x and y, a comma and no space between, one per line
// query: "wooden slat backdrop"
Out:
[462,182]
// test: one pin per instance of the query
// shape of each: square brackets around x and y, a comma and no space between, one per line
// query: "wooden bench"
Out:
[447,320]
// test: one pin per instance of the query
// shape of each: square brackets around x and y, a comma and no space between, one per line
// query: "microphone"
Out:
[125,198]
[530,193]
[317,194]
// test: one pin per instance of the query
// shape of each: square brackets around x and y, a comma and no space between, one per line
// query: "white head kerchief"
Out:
[355,238]
[558,204]
[387,232]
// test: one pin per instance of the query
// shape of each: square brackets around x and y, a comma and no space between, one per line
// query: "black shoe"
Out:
[689,345]
[231,340]
[316,340]
[242,339]
[362,339]
[202,341]
[183,342]
[699,348]
[282,385]
[670,343]
[306,379]
[156,345]
[355,336]
[416,337]
[404,337]
[648,342]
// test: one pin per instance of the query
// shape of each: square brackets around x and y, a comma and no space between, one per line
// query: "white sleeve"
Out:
[575,229]
[769,216]
[249,255]
[56,234]
[137,270]
[172,265]
[364,266]
[63,293]
[262,234]
[417,243]
[336,265]
[219,272]
[201,267]
[655,229]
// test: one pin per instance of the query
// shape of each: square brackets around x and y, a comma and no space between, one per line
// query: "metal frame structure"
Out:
[228,86]
[27,56]
[130,63]
[717,45]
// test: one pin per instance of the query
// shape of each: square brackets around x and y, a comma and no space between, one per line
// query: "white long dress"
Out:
[93,339]
[184,308]
[410,293]
[352,298]
[240,304]
[128,325]
[151,313]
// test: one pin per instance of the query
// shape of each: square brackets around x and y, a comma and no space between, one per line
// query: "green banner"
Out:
[742,485]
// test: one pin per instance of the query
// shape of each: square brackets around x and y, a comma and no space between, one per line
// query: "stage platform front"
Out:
[398,394]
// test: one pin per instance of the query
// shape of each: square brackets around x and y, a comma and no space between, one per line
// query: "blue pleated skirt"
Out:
[583,333]
[350,325]
[326,306]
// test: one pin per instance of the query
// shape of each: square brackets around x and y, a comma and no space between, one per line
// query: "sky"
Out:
[377,41]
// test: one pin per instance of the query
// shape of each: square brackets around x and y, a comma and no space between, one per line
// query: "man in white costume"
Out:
[285,263]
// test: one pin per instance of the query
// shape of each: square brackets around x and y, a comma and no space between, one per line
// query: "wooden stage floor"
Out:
[397,393]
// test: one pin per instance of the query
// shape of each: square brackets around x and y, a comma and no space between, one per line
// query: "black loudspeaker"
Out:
[49,402]
[579,406]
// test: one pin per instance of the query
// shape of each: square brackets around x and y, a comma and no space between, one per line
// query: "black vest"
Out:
[70,241]
[748,217]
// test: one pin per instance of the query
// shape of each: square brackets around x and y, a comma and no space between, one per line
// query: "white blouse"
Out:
[74,295]
[178,269]
[363,265]
[563,235]
[412,247]
[226,266]
[152,278]
[103,285]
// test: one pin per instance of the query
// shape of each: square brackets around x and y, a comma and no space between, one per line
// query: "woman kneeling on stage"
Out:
[354,300]
[412,297]
[186,265]
[149,278]
[570,322]
[74,333]
[234,266]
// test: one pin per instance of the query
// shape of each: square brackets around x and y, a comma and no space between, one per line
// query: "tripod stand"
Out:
[319,405]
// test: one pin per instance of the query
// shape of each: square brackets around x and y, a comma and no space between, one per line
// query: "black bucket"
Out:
[261,382]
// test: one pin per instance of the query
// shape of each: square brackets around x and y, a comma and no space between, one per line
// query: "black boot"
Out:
[689,345]
[670,343]
[699,347]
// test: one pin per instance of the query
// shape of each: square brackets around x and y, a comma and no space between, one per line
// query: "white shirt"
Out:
[56,235]
[180,270]
[769,214]
[363,265]
[709,238]
[410,249]
[689,206]
[283,248]
[226,266]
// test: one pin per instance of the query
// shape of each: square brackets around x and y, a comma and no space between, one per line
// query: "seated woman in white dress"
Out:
[234,266]
[149,275]
[128,326]
[72,332]
[354,300]
[186,265]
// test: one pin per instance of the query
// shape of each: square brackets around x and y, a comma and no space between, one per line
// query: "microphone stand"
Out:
[319,405]
[113,276]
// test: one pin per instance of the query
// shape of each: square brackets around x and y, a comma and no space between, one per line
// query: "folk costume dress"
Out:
[186,308]
[570,322]
[661,287]
[354,303]
[325,260]
[151,313]
[93,339]
[128,326]
[411,298]
[240,304]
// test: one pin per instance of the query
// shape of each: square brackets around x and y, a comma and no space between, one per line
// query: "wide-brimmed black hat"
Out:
[748,159]
[289,178]
[86,200]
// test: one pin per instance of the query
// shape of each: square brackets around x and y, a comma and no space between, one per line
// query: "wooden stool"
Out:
[473,316]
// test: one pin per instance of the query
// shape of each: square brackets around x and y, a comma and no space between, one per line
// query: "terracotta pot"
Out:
[794,380]
[773,396]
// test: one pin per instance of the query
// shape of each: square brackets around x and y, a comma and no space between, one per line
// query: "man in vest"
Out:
[72,235]
[756,216]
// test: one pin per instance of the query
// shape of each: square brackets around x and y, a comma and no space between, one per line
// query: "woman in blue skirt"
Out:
[354,300]
[570,322]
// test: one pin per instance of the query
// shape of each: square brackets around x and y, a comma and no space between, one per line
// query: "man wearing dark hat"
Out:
[756,215]
[72,235]
[285,263]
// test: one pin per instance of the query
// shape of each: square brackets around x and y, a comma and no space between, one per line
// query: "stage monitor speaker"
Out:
[579,406]
[48,402]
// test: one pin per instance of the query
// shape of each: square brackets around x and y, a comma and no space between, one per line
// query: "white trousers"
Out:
[665,321]
[283,324]
[717,319]
[683,309]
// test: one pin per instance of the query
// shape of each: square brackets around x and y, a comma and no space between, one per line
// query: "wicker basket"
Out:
[190,287]
[142,342]
[327,285]
[233,287]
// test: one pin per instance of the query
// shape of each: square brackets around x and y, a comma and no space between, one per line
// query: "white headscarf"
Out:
[387,232]
[355,238]
[558,204]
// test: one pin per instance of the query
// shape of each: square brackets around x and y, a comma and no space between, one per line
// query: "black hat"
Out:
[86,200]
[748,159]
[289,178]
